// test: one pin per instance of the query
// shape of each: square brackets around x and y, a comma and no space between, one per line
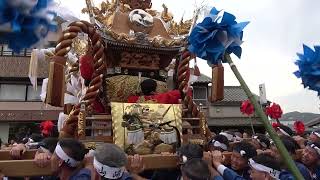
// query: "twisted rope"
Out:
[64,46]
[183,84]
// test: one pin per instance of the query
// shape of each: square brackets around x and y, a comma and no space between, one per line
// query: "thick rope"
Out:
[64,46]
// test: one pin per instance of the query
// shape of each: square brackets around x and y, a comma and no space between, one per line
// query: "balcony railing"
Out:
[4,51]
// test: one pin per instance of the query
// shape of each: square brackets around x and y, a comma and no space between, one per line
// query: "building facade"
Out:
[20,102]
[224,114]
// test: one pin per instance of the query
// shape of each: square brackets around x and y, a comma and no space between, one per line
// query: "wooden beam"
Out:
[22,168]
[26,168]
[5,155]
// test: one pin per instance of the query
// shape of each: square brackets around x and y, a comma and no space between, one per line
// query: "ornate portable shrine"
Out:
[126,43]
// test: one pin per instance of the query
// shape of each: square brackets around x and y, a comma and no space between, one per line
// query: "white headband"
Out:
[106,171]
[219,144]
[283,132]
[261,143]
[259,167]
[315,148]
[316,133]
[228,136]
[67,159]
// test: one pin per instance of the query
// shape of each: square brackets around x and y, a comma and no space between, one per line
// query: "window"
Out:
[12,92]
[32,94]
[19,92]
[200,93]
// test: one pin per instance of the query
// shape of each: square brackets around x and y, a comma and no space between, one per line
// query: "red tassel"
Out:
[86,66]
[196,68]
[46,127]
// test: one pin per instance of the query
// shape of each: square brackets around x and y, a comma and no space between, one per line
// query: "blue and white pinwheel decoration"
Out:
[24,23]
[211,38]
[309,68]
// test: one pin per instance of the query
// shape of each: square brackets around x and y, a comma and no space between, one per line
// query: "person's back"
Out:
[148,88]
[82,174]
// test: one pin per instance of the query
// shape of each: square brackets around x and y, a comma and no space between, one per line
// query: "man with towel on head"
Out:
[66,161]
[109,162]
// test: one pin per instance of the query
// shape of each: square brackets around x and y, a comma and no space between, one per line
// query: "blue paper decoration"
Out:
[309,68]
[24,23]
[210,39]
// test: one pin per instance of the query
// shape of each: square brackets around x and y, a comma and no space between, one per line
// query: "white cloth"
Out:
[69,99]
[106,171]
[219,144]
[228,136]
[135,137]
[63,156]
[61,119]
[44,90]
[221,169]
[169,137]
[33,68]
[259,167]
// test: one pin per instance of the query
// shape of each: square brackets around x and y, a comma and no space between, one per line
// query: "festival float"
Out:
[125,44]
[97,67]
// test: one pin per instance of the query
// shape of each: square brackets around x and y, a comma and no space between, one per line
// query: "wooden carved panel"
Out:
[138,4]
[145,61]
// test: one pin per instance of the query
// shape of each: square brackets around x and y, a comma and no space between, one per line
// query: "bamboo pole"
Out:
[283,151]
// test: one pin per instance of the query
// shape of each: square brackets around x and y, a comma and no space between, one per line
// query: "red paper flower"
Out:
[274,111]
[46,127]
[299,127]
[275,125]
[86,66]
[247,108]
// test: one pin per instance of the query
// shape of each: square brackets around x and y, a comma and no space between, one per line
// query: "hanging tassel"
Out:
[56,82]
[196,68]
[217,88]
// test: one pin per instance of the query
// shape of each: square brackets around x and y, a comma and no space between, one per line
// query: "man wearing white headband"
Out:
[260,141]
[110,161]
[311,157]
[283,130]
[291,146]
[66,161]
[264,167]
[314,136]
[228,135]
[219,142]
[241,154]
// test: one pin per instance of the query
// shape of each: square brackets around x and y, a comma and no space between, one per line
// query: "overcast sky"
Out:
[275,34]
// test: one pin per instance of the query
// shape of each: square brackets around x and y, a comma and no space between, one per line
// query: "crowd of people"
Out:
[253,158]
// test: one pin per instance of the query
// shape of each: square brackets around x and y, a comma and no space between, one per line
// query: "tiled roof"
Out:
[313,122]
[224,121]
[203,79]
[234,94]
